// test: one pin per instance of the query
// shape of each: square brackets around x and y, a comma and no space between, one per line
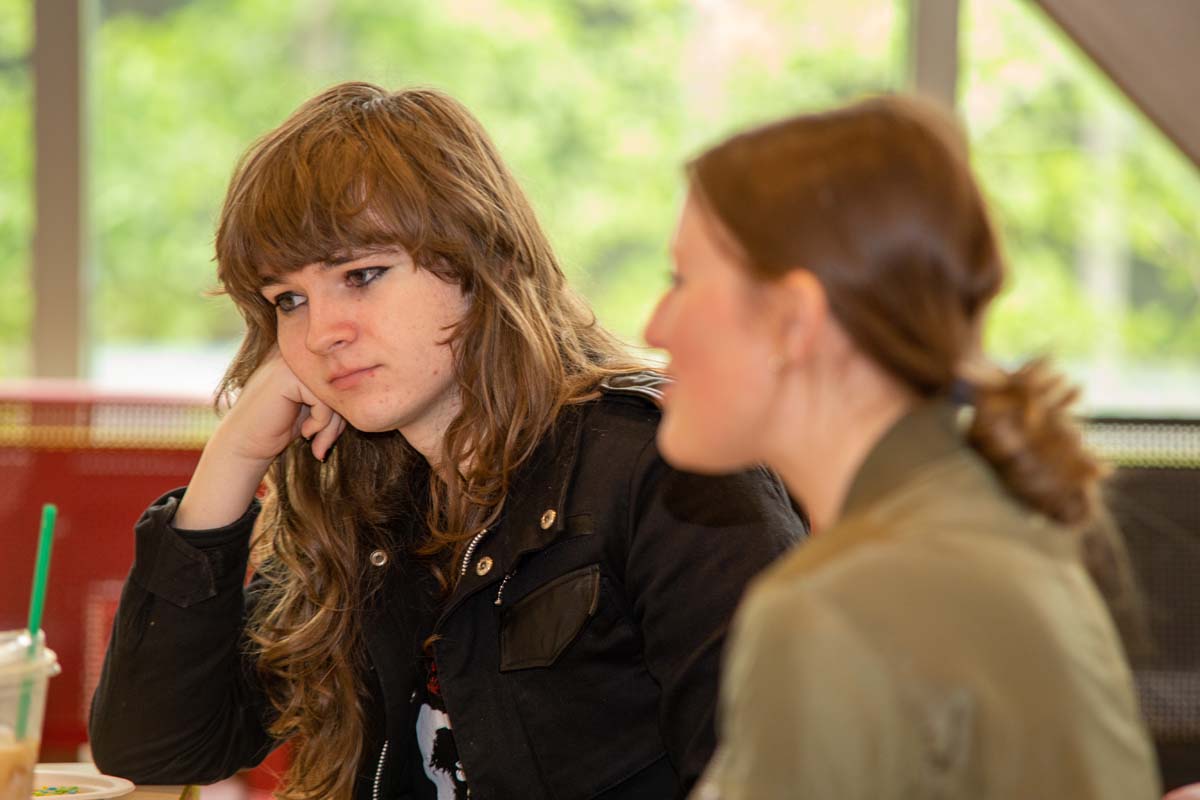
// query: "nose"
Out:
[331,326]
[656,328]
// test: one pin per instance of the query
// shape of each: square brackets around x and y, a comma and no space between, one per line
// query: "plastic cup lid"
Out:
[15,660]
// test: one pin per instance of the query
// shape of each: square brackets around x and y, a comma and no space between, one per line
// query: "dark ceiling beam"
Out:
[1151,50]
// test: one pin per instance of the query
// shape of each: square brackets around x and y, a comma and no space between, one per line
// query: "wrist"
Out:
[221,489]
[229,446]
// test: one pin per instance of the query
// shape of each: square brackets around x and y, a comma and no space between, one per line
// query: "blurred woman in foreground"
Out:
[939,637]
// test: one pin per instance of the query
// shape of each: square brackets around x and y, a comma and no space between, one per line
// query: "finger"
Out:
[324,440]
[298,423]
[319,418]
[319,414]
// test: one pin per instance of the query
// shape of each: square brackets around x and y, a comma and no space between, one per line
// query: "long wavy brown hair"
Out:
[358,168]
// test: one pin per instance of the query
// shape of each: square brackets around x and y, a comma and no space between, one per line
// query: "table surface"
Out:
[140,792]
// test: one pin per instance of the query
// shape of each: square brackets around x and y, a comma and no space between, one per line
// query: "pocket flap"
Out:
[537,629]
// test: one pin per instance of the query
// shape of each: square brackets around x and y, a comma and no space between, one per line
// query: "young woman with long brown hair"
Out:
[472,567]
[939,637]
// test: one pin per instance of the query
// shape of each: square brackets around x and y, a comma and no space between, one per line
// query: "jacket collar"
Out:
[536,509]
[534,512]
[927,433]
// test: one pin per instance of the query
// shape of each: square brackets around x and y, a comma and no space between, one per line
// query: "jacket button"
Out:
[484,566]
[379,558]
[548,517]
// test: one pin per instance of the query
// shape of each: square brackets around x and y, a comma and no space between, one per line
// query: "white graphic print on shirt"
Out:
[439,755]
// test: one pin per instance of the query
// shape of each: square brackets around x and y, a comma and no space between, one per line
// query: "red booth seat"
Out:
[101,458]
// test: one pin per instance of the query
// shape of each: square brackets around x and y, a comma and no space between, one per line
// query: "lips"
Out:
[349,378]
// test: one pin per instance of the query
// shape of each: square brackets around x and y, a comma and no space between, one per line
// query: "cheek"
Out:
[288,333]
[718,349]
[297,356]
[724,387]
[718,405]
[711,434]
[290,347]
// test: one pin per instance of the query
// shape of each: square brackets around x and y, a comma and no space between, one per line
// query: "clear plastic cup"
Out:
[22,697]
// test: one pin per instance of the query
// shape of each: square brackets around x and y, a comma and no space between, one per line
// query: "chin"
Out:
[368,428]
[686,451]
[367,423]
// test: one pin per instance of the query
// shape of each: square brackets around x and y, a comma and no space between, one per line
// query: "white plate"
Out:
[90,785]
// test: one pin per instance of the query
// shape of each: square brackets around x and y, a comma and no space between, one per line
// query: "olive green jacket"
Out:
[939,641]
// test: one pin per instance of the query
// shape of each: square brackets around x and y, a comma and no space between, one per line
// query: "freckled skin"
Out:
[396,324]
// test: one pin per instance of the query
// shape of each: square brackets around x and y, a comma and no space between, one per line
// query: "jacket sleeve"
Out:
[696,542]
[803,702]
[178,701]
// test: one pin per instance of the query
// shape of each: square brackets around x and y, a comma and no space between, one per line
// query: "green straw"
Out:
[37,604]
[41,569]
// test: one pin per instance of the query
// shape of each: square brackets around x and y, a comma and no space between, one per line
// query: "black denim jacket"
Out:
[577,657]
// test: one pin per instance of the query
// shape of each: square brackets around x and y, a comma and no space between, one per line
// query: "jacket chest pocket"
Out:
[536,630]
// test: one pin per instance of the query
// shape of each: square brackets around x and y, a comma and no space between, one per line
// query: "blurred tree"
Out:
[587,100]
[16,165]
[1098,210]
[596,104]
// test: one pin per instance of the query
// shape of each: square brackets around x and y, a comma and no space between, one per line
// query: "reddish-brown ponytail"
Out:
[1023,426]
[877,200]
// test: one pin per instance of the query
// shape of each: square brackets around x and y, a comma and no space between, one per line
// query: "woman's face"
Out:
[368,337]
[715,325]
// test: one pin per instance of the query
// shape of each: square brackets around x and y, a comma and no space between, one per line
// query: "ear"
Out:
[805,314]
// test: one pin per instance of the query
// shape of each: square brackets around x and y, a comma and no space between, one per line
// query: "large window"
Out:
[595,105]
[16,167]
[1099,213]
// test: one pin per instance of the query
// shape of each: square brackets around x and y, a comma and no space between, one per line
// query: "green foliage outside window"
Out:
[591,103]
[1099,215]
[16,175]
[1081,186]
[596,104]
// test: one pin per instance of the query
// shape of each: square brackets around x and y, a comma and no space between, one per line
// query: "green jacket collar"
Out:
[927,433]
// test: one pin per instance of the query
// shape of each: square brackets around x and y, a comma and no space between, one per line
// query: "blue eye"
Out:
[363,276]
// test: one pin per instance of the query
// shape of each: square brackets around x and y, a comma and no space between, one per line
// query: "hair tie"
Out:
[962,392]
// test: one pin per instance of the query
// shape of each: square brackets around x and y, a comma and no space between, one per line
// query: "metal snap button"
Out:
[379,558]
[484,566]
[548,517]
